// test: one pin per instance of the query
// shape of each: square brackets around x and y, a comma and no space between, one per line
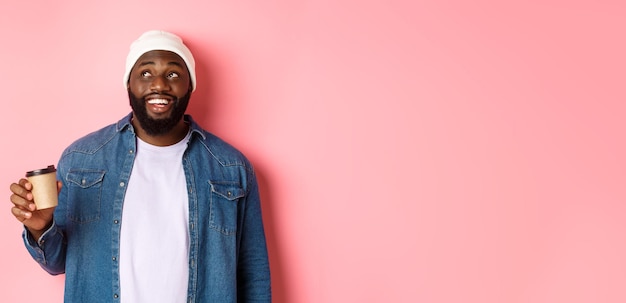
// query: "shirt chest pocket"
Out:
[223,213]
[84,195]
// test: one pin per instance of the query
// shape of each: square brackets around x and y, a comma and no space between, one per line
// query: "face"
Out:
[159,89]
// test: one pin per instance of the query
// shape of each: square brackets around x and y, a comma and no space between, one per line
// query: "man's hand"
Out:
[25,210]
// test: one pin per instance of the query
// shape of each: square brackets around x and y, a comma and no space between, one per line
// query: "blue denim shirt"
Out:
[227,257]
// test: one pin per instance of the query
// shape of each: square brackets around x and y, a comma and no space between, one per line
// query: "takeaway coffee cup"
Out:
[44,183]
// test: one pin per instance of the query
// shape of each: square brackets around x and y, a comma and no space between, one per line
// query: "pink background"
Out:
[408,151]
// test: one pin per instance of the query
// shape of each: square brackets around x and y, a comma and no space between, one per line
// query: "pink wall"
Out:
[407,151]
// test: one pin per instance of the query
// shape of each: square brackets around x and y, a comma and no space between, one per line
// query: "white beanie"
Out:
[159,40]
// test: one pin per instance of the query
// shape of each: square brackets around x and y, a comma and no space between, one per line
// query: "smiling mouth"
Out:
[159,101]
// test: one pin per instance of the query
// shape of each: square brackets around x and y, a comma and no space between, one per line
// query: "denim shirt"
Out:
[228,259]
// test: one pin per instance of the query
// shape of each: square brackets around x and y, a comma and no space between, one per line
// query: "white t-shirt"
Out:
[154,244]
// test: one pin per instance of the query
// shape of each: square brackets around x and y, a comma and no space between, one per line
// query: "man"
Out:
[152,208]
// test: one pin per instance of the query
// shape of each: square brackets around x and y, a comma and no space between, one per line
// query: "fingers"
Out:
[22,199]
[24,209]
[20,214]
[22,188]
[24,183]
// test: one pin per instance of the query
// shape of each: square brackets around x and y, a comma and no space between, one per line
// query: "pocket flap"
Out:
[85,178]
[230,191]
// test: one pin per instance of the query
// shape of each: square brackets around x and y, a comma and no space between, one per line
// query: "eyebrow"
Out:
[144,63]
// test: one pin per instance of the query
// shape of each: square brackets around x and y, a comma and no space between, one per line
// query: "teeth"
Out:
[158,101]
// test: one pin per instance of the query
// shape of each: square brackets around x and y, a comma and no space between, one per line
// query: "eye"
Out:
[145,74]
[172,75]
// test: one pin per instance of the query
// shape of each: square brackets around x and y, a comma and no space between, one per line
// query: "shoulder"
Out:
[217,148]
[95,140]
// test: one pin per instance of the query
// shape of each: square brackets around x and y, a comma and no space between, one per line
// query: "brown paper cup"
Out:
[44,181]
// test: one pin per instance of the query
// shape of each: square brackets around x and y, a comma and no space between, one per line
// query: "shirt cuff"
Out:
[28,237]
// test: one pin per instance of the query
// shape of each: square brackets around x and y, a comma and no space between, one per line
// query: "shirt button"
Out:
[116,221]
[121,184]
[130,151]
[114,259]
[115,296]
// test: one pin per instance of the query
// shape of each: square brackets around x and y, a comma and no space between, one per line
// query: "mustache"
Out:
[160,95]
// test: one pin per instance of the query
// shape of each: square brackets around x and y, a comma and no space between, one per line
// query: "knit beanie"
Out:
[159,40]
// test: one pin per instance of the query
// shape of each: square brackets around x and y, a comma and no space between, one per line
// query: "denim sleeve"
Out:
[49,251]
[253,272]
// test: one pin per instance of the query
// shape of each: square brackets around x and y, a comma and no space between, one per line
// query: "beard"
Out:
[157,127]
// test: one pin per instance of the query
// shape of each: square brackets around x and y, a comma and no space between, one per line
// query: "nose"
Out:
[159,84]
